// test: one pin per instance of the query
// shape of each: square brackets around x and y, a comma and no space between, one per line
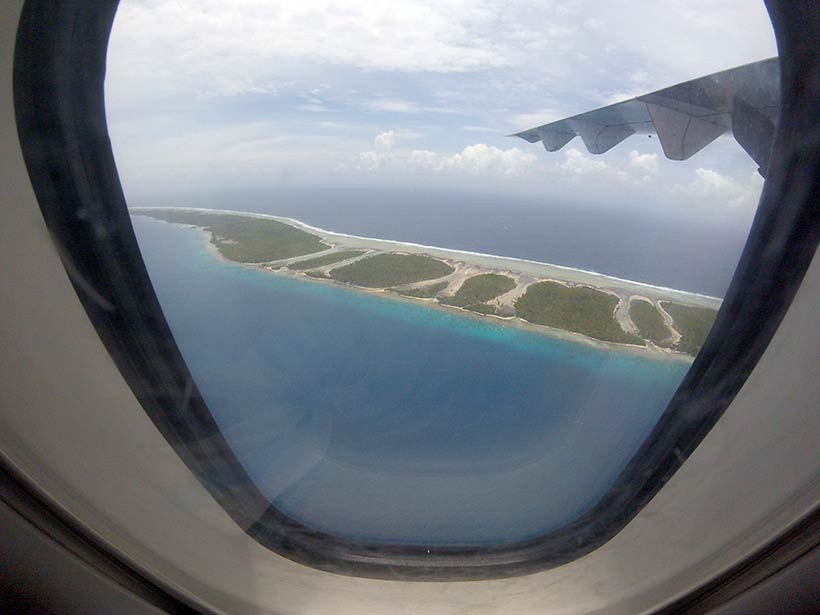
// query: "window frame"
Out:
[59,70]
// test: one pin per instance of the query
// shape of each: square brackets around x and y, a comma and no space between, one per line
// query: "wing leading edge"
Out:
[686,117]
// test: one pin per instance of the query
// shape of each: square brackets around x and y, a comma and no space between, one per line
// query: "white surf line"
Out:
[317,229]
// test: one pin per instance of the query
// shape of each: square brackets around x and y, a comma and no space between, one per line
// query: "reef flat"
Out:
[572,303]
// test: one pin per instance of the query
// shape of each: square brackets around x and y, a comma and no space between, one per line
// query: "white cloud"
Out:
[228,47]
[648,163]
[223,47]
[479,159]
[215,83]
[577,164]
[709,188]
[385,140]
[484,159]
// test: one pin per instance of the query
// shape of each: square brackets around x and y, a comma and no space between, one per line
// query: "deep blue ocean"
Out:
[385,420]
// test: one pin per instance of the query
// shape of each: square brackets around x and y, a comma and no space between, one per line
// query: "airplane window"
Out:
[401,329]
[410,328]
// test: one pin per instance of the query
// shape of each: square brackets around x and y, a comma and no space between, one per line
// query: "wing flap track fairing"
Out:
[687,117]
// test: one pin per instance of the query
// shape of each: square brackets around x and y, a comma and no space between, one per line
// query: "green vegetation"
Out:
[423,292]
[327,259]
[579,309]
[649,321]
[246,239]
[693,323]
[385,270]
[317,274]
[480,289]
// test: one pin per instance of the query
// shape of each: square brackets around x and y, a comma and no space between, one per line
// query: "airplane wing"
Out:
[686,117]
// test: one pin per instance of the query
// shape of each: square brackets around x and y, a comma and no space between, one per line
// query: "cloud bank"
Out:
[225,92]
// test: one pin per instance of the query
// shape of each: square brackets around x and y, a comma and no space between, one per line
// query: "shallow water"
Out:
[386,420]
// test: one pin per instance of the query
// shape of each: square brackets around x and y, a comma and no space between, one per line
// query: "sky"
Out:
[207,94]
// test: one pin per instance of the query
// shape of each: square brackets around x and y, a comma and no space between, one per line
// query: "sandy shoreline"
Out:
[524,271]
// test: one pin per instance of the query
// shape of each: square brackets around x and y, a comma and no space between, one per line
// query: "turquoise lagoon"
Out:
[384,420]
